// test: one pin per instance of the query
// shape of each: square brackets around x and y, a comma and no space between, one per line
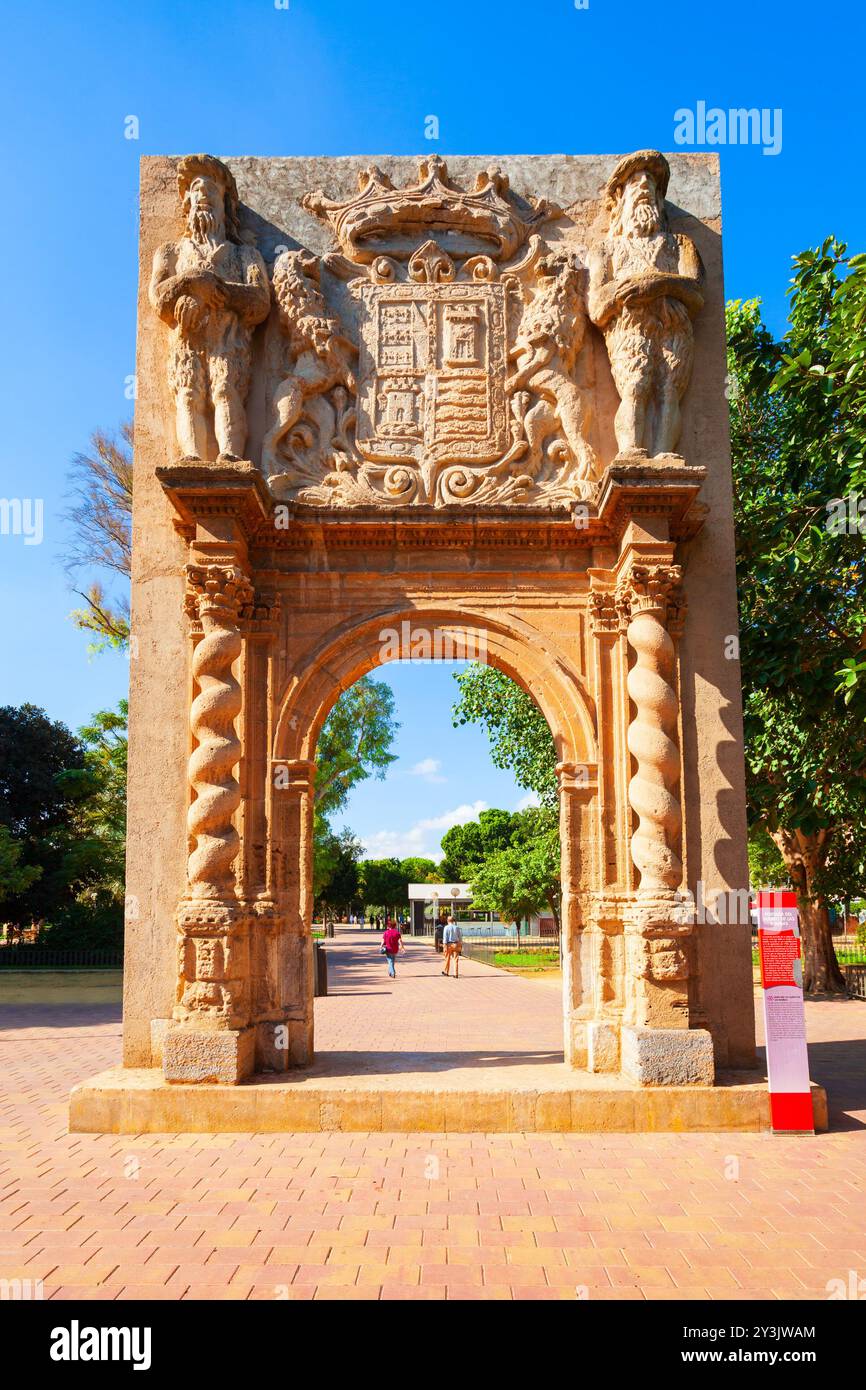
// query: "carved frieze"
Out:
[443,353]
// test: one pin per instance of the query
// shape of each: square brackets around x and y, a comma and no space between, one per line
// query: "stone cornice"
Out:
[665,488]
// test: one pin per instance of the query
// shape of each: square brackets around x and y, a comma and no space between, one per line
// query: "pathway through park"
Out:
[435,1216]
[424,1021]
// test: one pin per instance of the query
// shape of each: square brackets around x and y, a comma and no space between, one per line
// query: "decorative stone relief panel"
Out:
[443,352]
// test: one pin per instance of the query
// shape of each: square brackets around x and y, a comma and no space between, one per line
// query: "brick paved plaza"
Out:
[421,1216]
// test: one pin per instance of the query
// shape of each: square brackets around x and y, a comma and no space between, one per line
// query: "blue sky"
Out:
[332,77]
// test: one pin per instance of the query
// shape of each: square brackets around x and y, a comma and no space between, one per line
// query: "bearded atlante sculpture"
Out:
[211,290]
[644,292]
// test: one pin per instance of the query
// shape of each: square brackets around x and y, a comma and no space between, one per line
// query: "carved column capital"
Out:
[653,588]
[261,614]
[216,593]
[604,614]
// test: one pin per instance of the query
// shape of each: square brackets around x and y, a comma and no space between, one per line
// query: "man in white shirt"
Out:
[452,941]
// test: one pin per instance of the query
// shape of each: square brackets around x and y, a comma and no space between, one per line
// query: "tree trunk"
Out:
[804,856]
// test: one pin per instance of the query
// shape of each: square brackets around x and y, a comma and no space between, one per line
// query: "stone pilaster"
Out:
[650,503]
[578,790]
[658,1047]
[211,1037]
[292,782]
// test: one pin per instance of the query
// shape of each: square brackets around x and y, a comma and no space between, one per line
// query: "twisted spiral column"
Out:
[216,595]
[652,788]
[213,927]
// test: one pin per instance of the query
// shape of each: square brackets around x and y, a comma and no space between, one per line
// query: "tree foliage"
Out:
[520,740]
[798,418]
[355,742]
[62,825]
[336,870]
[511,860]
[467,846]
[15,877]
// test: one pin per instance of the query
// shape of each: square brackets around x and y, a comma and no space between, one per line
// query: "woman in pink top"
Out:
[392,940]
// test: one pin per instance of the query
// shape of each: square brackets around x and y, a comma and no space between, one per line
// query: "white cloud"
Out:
[527,801]
[428,768]
[420,839]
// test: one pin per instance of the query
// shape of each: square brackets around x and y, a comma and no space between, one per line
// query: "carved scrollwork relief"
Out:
[443,355]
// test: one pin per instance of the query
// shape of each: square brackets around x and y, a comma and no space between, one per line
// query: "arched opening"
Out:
[416,636]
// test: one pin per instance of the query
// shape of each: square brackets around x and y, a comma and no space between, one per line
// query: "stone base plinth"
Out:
[668,1056]
[193,1056]
[127,1101]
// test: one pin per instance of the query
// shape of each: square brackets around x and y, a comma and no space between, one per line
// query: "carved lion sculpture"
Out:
[320,353]
[545,352]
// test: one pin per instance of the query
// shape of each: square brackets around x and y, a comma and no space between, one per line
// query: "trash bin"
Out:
[438,933]
[320,970]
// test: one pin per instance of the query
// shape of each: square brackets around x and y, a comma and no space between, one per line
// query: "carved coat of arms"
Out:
[456,381]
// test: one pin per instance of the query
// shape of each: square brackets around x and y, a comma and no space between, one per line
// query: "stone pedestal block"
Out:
[668,1056]
[602,1047]
[192,1055]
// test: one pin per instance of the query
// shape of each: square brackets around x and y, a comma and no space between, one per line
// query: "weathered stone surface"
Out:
[200,1056]
[668,1056]
[143,1102]
[431,440]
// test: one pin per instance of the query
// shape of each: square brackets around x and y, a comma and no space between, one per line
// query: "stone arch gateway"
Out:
[476,407]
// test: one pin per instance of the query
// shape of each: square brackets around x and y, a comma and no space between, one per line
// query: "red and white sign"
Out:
[784,1015]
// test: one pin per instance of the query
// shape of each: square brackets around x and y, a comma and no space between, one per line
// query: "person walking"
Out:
[392,940]
[452,940]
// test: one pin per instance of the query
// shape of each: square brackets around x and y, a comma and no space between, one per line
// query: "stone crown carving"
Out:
[382,217]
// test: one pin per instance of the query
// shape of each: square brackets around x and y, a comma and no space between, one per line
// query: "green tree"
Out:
[520,740]
[525,877]
[466,846]
[511,859]
[355,742]
[340,891]
[95,856]
[36,808]
[798,417]
[15,878]
[382,883]
[767,868]
[419,870]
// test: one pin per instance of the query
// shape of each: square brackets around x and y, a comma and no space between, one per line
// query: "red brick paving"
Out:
[340,1216]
